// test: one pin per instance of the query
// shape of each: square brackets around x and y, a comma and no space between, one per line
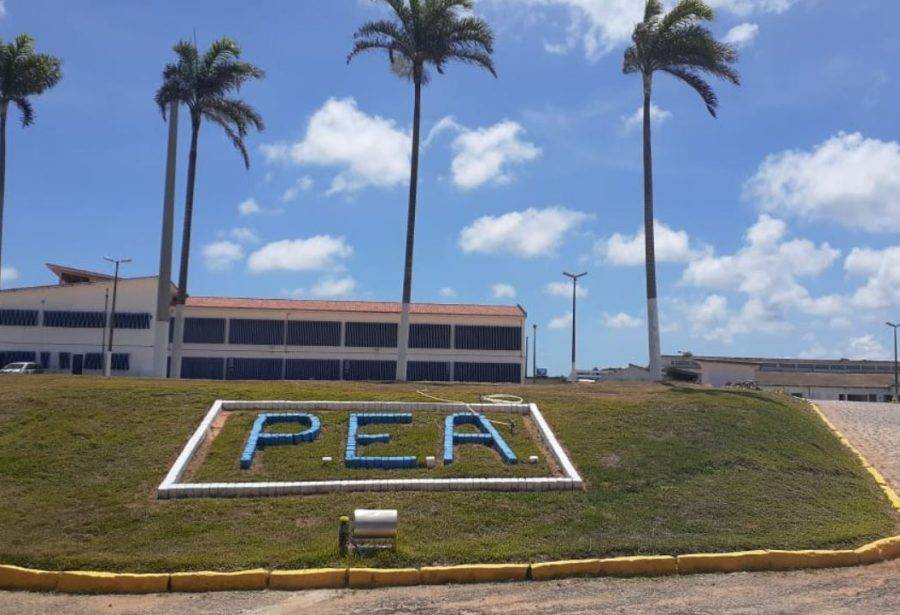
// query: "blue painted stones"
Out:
[355,440]
[259,439]
[489,436]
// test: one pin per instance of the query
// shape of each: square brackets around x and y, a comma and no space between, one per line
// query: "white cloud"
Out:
[742,34]
[244,235]
[503,291]
[657,117]
[249,207]
[527,234]
[866,347]
[313,254]
[334,287]
[621,321]
[484,155]
[447,293]
[222,255]
[370,150]
[743,8]
[8,274]
[671,247]
[2,8]
[561,322]
[304,184]
[847,179]
[564,289]
[881,268]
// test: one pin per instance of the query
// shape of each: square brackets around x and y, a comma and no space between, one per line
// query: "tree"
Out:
[425,32]
[204,84]
[678,44]
[23,73]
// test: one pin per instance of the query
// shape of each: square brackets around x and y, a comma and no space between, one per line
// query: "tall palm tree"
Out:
[23,73]
[425,32]
[204,84]
[678,44]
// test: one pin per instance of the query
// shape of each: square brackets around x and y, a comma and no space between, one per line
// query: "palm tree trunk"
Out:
[4,111]
[403,337]
[181,298]
[649,242]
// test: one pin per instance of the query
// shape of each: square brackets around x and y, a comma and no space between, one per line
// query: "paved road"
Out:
[872,428]
[867,589]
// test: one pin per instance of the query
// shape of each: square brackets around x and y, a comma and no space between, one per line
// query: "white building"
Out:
[63,327]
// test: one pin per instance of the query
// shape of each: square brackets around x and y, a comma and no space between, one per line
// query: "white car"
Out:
[22,368]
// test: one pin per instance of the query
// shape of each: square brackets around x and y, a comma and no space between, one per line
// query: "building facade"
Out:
[65,326]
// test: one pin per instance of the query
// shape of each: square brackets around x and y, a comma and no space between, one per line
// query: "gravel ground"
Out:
[872,428]
[867,589]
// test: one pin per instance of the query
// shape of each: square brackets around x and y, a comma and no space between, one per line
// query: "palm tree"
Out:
[425,32]
[204,85]
[678,44]
[23,73]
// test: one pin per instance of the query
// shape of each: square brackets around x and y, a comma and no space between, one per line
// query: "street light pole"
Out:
[896,372]
[574,276]
[107,366]
[534,353]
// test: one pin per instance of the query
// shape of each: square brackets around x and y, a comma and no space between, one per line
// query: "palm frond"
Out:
[685,12]
[652,9]
[25,107]
[697,83]
[24,73]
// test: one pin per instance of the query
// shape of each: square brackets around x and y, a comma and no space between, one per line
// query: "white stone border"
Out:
[172,488]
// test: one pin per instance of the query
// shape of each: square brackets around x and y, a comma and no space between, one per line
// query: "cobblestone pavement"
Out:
[872,428]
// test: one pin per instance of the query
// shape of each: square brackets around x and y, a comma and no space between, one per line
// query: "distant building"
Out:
[62,326]
[839,379]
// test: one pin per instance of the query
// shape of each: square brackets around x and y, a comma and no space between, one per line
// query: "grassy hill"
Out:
[668,470]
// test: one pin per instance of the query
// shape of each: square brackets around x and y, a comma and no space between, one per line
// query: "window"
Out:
[256,332]
[470,337]
[93,360]
[18,318]
[75,320]
[430,371]
[16,356]
[369,370]
[429,336]
[132,320]
[371,335]
[312,369]
[253,369]
[487,372]
[65,360]
[313,333]
[45,360]
[203,368]
[203,330]
[120,362]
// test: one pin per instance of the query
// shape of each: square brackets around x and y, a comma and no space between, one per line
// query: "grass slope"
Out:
[669,470]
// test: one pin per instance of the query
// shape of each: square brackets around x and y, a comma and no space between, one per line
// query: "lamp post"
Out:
[107,365]
[534,353]
[574,277]
[896,372]
[164,281]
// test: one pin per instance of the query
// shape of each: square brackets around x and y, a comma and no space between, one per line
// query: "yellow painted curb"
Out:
[85,582]
[796,560]
[475,573]
[382,577]
[652,565]
[889,547]
[27,579]
[314,578]
[565,569]
[742,561]
[219,581]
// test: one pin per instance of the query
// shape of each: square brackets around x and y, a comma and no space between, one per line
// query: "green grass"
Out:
[668,470]
[424,436]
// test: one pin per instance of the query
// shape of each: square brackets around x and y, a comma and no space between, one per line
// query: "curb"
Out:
[28,579]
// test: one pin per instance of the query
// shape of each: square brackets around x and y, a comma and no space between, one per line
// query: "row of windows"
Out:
[74,320]
[91,360]
[216,368]
[18,318]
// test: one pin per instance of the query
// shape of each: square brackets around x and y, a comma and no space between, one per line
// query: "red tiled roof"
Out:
[376,307]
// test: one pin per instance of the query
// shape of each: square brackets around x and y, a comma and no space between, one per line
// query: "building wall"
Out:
[720,374]
[834,393]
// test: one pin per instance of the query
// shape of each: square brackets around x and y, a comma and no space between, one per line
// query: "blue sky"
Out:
[778,221]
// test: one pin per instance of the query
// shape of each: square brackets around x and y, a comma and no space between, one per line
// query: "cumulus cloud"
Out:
[742,34]
[848,179]
[334,287]
[657,116]
[503,291]
[484,155]
[370,150]
[561,322]
[564,289]
[222,255]
[621,321]
[249,207]
[316,253]
[447,293]
[671,247]
[881,268]
[303,184]
[244,235]
[866,347]
[8,274]
[526,234]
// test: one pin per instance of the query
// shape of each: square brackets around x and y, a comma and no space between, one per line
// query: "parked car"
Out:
[22,368]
